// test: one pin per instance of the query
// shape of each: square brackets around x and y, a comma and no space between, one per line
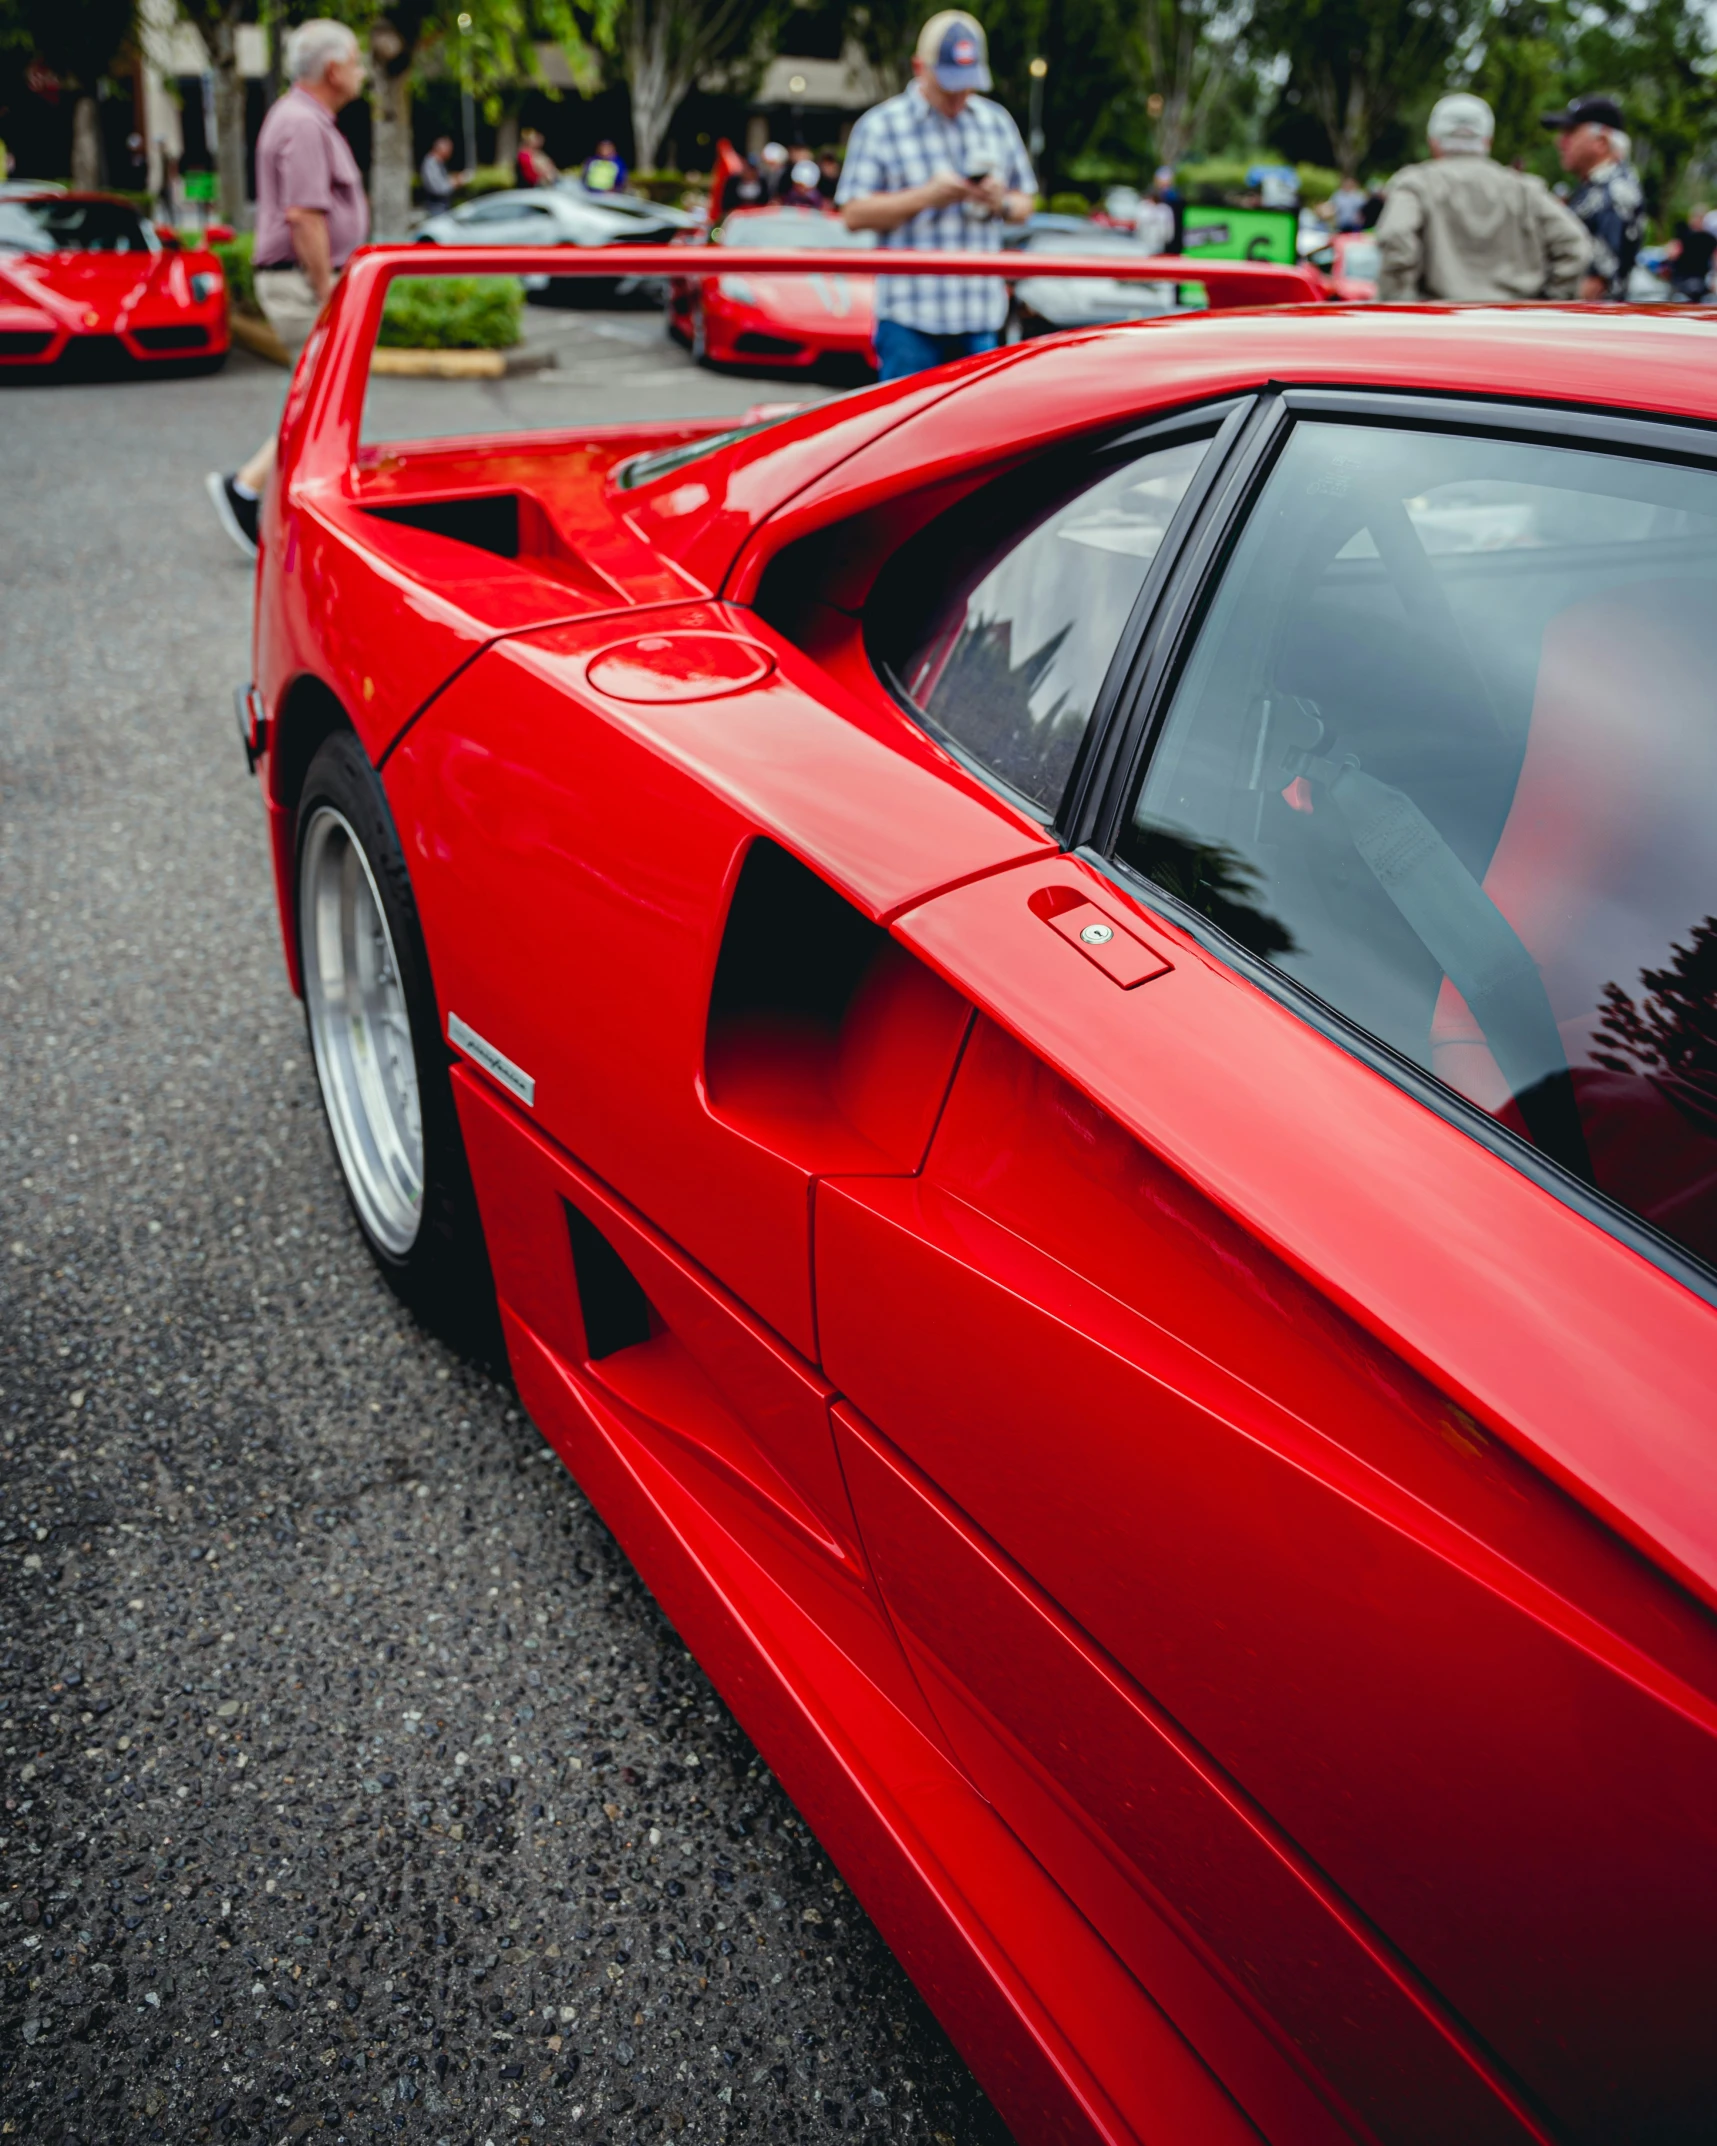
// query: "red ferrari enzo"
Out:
[786,323]
[1074,1003]
[85,282]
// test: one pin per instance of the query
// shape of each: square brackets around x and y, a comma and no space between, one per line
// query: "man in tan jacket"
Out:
[1465,228]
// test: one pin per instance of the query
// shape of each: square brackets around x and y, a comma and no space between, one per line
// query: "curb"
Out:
[458,364]
[256,335]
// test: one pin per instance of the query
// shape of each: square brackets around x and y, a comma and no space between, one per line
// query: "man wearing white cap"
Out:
[938,169]
[1465,228]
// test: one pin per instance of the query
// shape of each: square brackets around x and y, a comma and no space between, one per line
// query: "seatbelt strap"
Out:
[1474,945]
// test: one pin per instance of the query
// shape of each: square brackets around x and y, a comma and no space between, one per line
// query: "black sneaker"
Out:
[238,514]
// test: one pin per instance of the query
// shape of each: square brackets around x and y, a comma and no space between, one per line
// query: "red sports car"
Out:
[1074,1004]
[1349,264]
[785,323]
[87,282]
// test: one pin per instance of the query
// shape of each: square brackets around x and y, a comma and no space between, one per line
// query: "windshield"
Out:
[55,224]
[642,468]
[792,227]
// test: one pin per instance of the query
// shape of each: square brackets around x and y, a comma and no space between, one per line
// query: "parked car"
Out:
[784,323]
[1043,304]
[639,206]
[1070,1001]
[1348,263]
[87,283]
[558,215]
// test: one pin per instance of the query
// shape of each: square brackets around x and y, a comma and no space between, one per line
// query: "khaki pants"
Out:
[285,296]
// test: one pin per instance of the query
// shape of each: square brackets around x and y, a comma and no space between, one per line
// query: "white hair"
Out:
[314,45]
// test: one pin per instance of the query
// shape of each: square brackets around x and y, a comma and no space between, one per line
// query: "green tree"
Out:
[1656,58]
[665,46]
[1181,55]
[406,37]
[1518,72]
[1354,64]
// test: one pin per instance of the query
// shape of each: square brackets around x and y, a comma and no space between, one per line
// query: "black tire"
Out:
[350,870]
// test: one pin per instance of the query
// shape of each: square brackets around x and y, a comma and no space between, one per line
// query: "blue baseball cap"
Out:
[953,48]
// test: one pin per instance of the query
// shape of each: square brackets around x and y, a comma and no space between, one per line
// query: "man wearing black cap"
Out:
[1607,197]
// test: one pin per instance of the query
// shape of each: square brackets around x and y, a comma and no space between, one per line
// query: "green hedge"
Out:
[423,312]
[489,179]
[234,256]
[453,313]
[664,186]
[1215,180]
[1069,204]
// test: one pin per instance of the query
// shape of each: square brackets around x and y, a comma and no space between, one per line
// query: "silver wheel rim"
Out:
[361,1032]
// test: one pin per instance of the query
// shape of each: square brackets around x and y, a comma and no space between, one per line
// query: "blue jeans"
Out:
[901,350]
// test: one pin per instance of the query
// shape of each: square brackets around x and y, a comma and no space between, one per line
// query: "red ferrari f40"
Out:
[1070,1008]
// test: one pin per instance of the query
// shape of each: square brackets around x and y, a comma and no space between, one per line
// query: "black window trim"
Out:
[1166,640]
[1222,421]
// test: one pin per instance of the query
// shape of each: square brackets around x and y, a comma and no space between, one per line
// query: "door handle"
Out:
[1120,953]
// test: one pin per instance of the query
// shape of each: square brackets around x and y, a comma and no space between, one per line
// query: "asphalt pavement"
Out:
[350,1781]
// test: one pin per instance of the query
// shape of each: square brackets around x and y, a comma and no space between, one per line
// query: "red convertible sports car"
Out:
[1074,1003]
[87,283]
[785,323]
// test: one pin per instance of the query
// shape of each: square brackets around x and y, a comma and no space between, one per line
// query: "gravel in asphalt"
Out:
[350,1781]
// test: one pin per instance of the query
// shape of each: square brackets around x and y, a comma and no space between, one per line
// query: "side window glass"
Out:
[998,623]
[1445,753]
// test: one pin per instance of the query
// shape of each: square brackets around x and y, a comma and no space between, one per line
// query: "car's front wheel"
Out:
[381,1063]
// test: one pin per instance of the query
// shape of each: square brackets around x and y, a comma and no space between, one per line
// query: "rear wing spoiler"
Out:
[334,370]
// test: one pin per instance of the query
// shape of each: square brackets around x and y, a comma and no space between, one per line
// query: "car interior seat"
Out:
[1606,866]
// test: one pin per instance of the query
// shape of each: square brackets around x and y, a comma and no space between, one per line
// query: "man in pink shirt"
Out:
[311,216]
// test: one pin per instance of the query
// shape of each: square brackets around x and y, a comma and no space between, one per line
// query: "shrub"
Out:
[489,179]
[453,313]
[663,186]
[1220,180]
[234,256]
[1069,205]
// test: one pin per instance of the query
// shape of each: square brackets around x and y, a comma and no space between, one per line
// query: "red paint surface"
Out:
[1251,1620]
[668,667]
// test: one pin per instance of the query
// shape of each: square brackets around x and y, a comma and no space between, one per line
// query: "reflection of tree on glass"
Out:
[1219,883]
[1006,659]
[1670,1034]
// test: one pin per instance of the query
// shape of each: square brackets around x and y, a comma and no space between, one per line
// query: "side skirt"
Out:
[996,1949]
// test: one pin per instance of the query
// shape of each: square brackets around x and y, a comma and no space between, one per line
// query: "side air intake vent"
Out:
[490,522]
[616,1310]
[827,1041]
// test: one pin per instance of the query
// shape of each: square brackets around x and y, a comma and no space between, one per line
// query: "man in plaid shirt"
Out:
[938,169]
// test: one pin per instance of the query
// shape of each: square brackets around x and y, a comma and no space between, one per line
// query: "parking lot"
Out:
[349,1779]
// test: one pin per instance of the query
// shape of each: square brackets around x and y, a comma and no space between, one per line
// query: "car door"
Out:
[507,220]
[1257,1409]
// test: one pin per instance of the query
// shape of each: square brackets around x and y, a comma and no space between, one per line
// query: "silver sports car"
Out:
[557,216]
